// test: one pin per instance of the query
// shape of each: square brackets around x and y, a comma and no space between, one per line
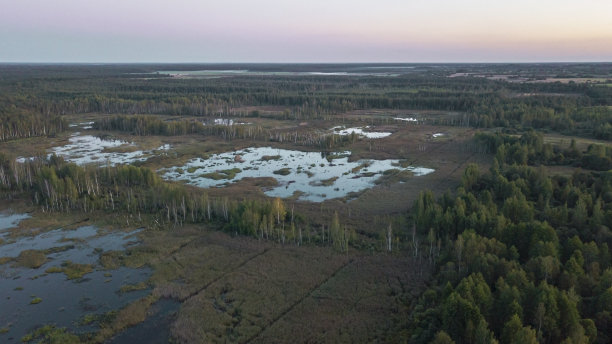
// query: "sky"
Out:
[285,31]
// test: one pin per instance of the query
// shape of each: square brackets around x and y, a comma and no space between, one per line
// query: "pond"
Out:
[312,176]
[228,122]
[88,149]
[33,296]
[360,131]
[406,119]
[82,125]
[10,220]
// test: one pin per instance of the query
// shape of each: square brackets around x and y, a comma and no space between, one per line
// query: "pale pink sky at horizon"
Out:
[312,31]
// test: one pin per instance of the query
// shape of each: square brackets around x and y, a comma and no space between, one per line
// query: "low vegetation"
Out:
[72,270]
[31,259]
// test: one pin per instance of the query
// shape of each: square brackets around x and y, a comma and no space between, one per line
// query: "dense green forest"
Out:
[525,257]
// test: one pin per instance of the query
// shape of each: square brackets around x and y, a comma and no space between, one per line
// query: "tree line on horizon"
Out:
[32,104]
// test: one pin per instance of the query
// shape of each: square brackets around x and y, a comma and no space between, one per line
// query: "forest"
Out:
[522,254]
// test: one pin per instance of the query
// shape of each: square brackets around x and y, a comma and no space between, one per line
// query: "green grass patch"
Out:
[72,270]
[111,260]
[61,248]
[31,259]
[270,157]
[283,171]
[329,182]
[115,321]
[35,301]
[403,164]
[51,334]
[213,175]
[89,319]
[391,171]
[54,269]
[360,167]
[76,271]
[335,156]
[133,287]
[223,174]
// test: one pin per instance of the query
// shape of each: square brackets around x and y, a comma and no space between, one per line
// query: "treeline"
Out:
[525,256]
[57,186]
[530,149]
[567,115]
[569,108]
[19,123]
[143,125]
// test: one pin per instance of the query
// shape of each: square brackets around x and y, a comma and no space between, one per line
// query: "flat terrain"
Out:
[347,268]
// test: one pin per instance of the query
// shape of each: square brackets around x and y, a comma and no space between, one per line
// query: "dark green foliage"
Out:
[526,255]
[16,123]
[530,149]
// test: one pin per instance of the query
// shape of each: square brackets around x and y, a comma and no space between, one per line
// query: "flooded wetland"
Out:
[311,176]
[56,277]
[265,203]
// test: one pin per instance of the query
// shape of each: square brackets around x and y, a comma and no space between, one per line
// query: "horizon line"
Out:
[302,63]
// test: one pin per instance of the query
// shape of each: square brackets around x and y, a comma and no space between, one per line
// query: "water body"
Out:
[361,132]
[406,119]
[64,302]
[9,220]
[88,149]
[82,125]
[313,175]
[212,73]
[227,122]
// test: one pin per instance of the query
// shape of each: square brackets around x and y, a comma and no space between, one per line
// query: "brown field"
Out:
[244,290]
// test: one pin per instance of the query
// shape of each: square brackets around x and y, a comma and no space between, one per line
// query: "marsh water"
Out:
[214,73]
[309,176]
[89,149]
[312,176]
[364,132]
[86,149]
[10,220]
[63,302]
